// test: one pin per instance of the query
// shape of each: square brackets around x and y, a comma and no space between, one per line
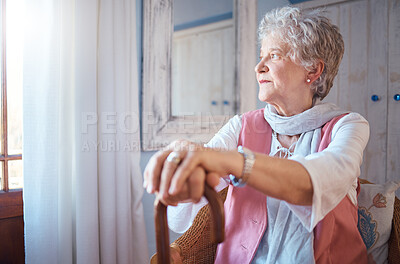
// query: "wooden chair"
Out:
[196,246]
[199,243]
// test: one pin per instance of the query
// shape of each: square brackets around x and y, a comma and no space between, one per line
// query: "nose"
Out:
[261,67]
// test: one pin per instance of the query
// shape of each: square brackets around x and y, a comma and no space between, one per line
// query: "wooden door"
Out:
[393,137]
[363,73]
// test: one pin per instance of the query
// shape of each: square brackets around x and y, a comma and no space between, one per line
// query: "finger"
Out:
[212,179]
[183,172]
[168,170]
[175,255]
[153,170]
[159,158]
[173,200]
[196,184]
[165,201]
[154,167]
[145,175]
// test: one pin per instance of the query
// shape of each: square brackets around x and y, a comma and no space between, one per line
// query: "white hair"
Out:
[311,37]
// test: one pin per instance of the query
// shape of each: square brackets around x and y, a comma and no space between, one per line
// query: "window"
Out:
[11,100]
[11,180]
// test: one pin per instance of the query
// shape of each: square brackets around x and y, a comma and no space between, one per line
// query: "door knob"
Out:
[375,98]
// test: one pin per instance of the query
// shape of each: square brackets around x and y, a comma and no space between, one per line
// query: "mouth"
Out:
[263,81]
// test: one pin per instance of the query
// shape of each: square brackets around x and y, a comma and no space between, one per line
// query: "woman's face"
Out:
[282,82]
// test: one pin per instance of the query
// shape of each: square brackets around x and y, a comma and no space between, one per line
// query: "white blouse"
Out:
[333,172]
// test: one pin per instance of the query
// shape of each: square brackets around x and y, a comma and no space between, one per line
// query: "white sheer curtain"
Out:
[82,180]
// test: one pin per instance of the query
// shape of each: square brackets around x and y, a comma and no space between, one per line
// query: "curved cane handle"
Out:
[160,219]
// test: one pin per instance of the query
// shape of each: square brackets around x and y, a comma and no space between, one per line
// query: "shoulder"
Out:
[227,136]
[254,113]
[254,120]
[352,118]
[352,124]
[234,123]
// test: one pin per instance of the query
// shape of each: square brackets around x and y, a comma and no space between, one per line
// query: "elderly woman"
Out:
[293,166]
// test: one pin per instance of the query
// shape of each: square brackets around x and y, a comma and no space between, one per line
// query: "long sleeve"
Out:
[180,217]
[335,170]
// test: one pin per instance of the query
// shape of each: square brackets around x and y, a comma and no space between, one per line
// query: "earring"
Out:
[308,80]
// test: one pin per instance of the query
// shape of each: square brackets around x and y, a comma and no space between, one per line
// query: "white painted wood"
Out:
[375,156]
[393,141]
[159,126]
[246,41]
[203,69]
[363,72]
[157,39]
[352,85]
[228,79]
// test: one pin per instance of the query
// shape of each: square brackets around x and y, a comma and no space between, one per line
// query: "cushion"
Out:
[375,214]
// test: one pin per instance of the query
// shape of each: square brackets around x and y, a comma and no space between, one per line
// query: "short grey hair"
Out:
[311,37]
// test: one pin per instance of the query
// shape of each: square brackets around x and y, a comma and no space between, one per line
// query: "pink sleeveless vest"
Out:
[336,237]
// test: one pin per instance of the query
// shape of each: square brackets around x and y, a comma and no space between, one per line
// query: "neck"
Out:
[293,108]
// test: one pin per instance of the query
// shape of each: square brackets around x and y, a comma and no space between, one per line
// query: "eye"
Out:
[274,56]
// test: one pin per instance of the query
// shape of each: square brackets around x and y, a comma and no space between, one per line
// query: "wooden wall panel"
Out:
[363,73]
[247,53]
[393,141]
[375,156]
[11,228]
[12,240]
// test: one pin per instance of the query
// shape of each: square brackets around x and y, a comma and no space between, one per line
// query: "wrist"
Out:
[234,163]
[248,160]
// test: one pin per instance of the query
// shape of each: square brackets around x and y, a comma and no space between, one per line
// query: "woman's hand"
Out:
[182,178]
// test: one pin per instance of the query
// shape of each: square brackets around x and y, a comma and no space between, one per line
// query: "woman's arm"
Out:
[287,180]
[282,179]
[335,170]
[180,217]
[279,178]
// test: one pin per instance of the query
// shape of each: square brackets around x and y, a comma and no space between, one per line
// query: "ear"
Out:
[316,72]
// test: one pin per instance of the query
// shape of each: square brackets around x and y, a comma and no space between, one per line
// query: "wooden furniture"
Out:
[12,248]
[197,240]
[394,240]
[196,246]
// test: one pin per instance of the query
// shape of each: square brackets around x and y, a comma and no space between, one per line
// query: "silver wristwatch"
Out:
[249,159]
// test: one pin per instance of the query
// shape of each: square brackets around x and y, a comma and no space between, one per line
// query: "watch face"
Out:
[240,149]
[245,151]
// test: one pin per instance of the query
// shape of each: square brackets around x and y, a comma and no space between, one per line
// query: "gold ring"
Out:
[174,157]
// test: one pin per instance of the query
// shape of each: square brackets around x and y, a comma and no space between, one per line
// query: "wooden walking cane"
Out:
[162,235]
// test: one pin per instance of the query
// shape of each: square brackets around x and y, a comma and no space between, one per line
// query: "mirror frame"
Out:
[159,127]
